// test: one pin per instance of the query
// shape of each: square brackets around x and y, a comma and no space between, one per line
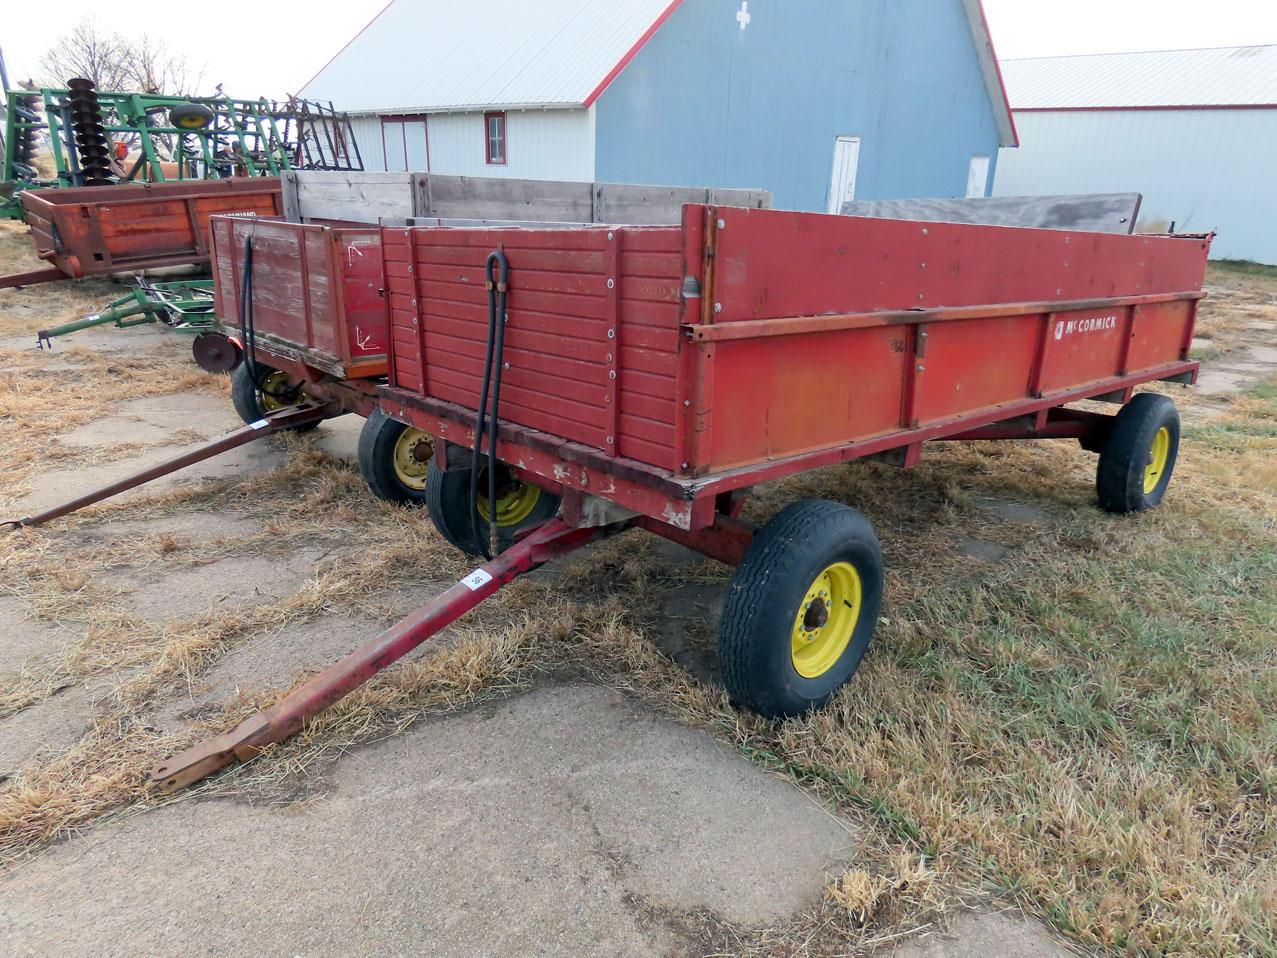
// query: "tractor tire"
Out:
[254,402]
[1139,458]
[394,459]
[801,610]
[456,515]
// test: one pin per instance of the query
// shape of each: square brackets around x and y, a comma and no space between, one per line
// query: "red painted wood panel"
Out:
[727,402]
[1161,334]
[316,290]
[562,339]
[798,393]
[974,363]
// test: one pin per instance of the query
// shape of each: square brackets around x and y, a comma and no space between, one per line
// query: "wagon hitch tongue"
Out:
[548,541]
[289,418]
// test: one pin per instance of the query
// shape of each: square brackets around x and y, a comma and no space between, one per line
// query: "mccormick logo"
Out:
[1095,324]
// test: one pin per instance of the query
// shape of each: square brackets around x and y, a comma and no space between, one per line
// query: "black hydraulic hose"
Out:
[248,332]
[246,329]
[498,364]
[497,271]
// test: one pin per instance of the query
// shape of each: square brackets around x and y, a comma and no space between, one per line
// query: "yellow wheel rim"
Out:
[192,122]
[513,507]
[826,620]
[1158,457]
[413,451]
[273,386]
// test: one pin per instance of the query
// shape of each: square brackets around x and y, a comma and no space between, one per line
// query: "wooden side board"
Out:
[380,197]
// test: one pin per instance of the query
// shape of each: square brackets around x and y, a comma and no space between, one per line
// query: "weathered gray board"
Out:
[440,221]
[487,198]
[346,196]
[377,197]
[656,205]
[1091,213]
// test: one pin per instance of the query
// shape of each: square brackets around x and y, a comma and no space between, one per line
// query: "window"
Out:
[405,144]
[494,130]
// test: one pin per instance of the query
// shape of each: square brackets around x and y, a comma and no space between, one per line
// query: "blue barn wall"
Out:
[705,103]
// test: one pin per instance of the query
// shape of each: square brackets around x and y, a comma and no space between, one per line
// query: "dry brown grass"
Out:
[1085,730]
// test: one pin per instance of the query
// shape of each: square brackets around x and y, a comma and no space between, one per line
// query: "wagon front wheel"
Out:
[801,610]
[394,459]
[271,390]
[520,505]
[1139,458]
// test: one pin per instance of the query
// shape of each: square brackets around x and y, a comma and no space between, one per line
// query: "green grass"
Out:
[1244,268]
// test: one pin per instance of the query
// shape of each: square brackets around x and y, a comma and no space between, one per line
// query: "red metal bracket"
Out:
[1090,428]
[726,540]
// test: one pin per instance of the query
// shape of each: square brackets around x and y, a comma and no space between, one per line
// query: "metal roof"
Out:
[1222,77]
[434,56]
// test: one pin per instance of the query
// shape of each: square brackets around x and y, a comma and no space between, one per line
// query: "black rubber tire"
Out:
[755,632]
[247,399]
[377,441]
[1119,480]
[193,113]
[454,514]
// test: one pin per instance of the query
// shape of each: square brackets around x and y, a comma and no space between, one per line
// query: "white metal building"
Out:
[1195,131]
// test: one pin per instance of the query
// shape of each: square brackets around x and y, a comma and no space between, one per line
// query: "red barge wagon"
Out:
[649,376]
[581,381]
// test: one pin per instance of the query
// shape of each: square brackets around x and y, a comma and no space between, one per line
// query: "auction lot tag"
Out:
[476,580]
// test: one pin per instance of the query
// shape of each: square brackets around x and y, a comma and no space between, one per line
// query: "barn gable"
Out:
[433,56]
[758,93]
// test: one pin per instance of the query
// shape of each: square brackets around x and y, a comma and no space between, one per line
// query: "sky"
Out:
[271,47]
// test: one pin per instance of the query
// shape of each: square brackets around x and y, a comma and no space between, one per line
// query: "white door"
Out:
[978,178]
[842,188]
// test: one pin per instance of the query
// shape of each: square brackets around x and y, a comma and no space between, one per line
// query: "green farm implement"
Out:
[185,306]
[95,138]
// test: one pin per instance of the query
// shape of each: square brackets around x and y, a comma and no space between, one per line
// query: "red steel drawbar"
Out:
[551,540]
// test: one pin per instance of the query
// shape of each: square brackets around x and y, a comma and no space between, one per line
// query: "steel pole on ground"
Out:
[284,419]
[35,276]
[549,541]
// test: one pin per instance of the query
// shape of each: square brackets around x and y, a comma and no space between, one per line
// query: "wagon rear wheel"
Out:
[271,391]
[394,459]
[801,610]
[520,505]
[1139,458]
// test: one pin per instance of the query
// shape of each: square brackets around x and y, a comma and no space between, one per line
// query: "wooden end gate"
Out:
[318,311]
[582,381]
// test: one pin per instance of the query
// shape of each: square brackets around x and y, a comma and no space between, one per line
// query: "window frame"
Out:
[402,120]
[504,159]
